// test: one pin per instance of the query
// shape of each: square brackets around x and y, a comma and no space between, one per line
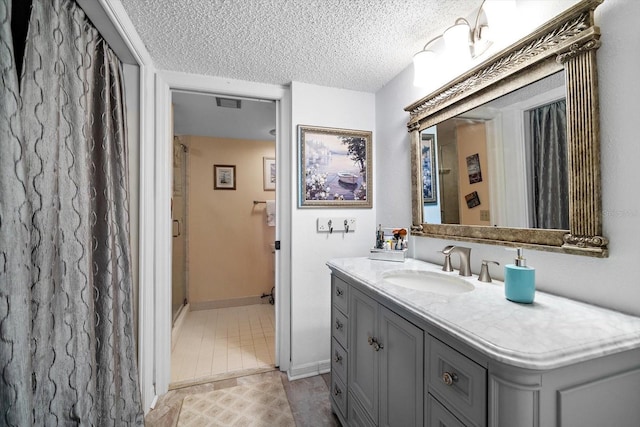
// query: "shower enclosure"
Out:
[179,225]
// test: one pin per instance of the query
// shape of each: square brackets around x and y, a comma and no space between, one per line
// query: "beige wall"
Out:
[229,242]
[471,140]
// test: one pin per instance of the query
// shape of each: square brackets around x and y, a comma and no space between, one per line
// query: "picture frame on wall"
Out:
[224,177]
[269,173]
[335,167]
[472,199]
[427,150]
[473,168]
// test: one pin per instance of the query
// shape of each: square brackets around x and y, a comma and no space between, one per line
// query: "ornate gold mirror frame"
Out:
[567,42]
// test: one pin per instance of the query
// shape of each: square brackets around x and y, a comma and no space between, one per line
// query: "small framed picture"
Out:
[224,177]
[269,173]
[472,199]
[428,149]
[473,168]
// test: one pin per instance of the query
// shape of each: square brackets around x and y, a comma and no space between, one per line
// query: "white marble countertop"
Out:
[550,333]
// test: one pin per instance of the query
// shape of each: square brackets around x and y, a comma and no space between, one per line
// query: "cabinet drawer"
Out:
[338,360]
[340,294]
[357,415]
[457,381]
[339,395]
[437,415]
[340,327]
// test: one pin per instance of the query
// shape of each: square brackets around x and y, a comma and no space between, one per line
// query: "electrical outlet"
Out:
[484,215]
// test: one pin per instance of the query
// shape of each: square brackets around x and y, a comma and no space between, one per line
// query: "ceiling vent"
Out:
[228,102]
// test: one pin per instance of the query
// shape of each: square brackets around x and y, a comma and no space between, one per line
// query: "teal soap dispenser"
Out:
[519,280]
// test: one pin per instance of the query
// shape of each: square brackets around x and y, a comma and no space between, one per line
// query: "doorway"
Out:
[155,301]
[228,326]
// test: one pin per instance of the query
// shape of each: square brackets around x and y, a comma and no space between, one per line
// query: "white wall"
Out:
[612,282]
[310,280]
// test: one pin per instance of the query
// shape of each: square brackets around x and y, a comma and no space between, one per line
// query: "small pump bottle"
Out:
[519,280]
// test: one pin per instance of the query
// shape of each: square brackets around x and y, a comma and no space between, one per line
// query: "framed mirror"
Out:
[509,152]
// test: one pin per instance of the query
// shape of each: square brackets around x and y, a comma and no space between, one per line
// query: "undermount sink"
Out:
[428,281]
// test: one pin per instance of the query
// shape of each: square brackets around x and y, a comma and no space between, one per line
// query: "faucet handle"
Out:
[447,258]
[484,271]
[447,249]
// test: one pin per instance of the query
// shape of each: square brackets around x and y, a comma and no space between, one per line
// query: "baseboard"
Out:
[178,324]
[224,303]
[309,370]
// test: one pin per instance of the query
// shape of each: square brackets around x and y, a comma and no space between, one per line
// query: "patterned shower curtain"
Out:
[550,165]
[67,349]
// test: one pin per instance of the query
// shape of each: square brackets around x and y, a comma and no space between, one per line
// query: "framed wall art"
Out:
[427,150]
[335,167]
[224,177]
[472,199]
[269,173]
[473,168]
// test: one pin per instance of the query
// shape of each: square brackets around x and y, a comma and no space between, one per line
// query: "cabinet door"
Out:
[401,371]
[362,368]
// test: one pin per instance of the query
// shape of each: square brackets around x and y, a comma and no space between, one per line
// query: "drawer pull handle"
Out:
[374,342]
[339,325]
[449,378]
[338,358]
[339,292]
[337,391]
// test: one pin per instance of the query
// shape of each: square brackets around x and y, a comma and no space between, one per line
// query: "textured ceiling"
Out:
[351,44]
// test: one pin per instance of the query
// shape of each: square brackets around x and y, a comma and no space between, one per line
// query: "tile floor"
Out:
[212,343]
[308,399]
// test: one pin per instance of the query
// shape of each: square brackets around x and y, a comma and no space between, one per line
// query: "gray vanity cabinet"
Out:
[394,365]
[385,369]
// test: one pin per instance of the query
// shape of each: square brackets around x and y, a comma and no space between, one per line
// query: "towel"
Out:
[271,213]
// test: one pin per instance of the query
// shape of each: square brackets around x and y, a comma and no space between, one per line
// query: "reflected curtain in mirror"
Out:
[67,345]
[548,126]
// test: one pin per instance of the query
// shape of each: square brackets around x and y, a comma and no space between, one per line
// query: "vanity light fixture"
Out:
[462,42]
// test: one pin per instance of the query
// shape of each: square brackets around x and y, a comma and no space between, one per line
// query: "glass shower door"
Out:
[178,217]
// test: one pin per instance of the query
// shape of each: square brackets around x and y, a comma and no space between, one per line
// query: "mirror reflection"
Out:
[501,164]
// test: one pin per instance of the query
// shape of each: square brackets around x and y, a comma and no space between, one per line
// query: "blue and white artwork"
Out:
[428,165]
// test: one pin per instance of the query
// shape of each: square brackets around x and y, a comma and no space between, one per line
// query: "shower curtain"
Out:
[67,350]
[550,165]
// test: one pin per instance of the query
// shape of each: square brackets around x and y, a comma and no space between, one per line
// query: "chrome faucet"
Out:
[465,258]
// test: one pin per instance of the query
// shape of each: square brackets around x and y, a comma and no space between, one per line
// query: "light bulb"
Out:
[500,17]
[456,39]
[423,65]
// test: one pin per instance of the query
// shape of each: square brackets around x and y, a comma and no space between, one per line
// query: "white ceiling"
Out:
[198,114]
[351,44]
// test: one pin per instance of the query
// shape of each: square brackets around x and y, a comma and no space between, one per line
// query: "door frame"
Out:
[165,83]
